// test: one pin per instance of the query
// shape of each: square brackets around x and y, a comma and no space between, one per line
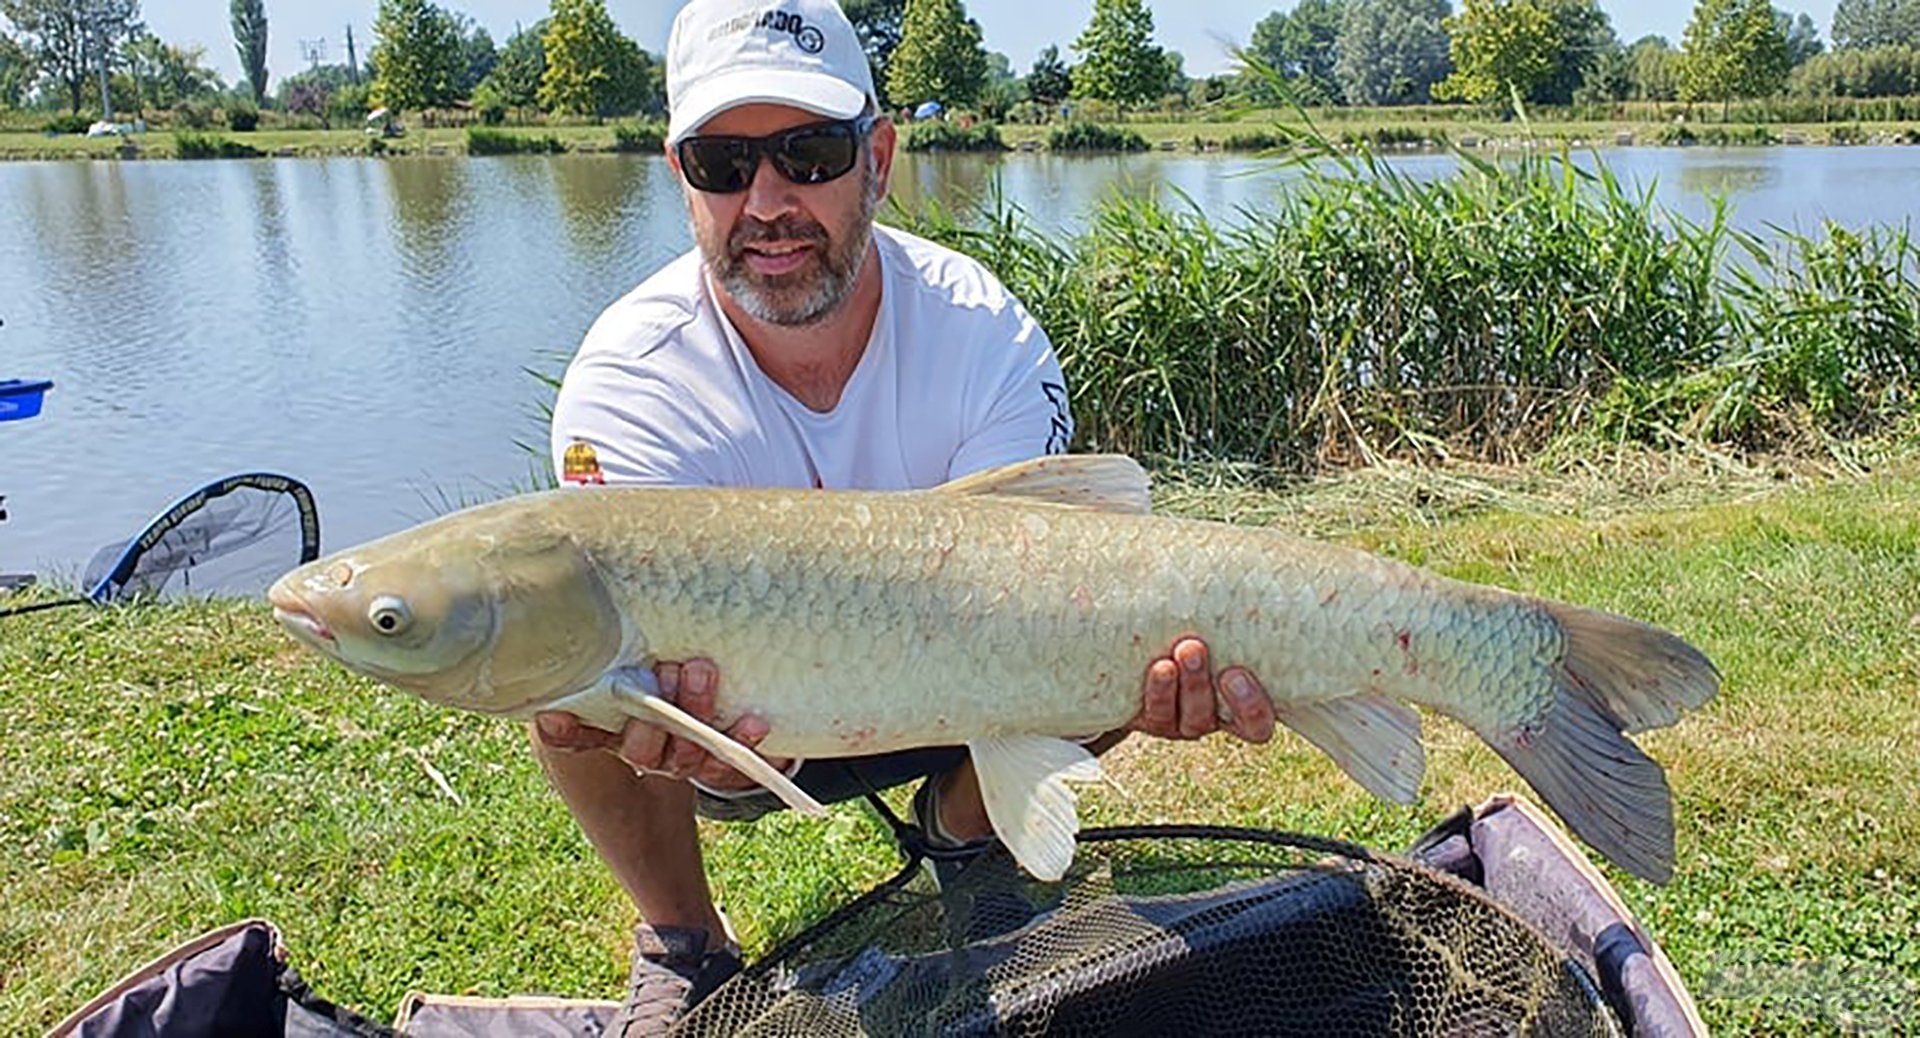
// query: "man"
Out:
[798,345]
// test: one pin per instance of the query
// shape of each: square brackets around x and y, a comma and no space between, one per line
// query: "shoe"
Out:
[946,856]
[673,971]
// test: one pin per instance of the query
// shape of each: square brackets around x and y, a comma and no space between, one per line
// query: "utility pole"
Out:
[315,51]
[353,65]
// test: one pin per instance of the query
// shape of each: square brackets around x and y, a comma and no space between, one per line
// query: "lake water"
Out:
[364,325]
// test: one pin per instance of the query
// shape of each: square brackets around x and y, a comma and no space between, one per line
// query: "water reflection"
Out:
[1729,179]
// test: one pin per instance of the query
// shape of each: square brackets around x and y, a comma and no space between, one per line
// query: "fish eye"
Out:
[389,615]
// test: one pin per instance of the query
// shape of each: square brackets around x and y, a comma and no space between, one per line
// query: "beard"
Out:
[815,290]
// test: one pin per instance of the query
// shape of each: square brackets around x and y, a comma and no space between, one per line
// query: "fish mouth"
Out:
[297,617]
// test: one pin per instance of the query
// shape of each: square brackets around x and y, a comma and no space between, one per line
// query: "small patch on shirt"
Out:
[581,465]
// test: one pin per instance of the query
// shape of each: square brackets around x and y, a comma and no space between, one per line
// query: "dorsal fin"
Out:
[1101,482]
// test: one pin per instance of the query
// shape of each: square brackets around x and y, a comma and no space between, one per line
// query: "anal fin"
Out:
[1374,739]
[1023,780]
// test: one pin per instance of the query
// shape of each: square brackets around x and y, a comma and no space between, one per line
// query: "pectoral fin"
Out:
[1374,739]
[657,711]
[1023,779]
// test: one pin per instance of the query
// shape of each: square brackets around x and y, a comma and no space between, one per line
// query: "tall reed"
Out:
[1489,315]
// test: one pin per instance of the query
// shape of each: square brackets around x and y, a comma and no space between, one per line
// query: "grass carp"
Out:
[1012,611]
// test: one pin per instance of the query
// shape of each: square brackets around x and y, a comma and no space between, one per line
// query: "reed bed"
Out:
[1516,308]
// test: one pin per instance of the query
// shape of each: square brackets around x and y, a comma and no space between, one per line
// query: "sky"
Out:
[1017,28]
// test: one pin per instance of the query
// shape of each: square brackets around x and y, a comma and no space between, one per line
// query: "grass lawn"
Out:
[165,770]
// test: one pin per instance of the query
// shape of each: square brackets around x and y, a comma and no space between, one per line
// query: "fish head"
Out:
[499,619]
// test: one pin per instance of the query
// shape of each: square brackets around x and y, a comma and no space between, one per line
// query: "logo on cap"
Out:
[806,37]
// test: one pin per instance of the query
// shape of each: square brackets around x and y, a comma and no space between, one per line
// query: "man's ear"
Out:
[884,139]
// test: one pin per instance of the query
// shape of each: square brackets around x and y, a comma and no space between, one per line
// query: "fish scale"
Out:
[855,628]
[1011,611]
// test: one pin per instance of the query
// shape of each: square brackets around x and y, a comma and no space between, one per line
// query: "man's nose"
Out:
[769,194]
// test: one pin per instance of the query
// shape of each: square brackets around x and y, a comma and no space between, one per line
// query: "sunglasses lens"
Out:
[817,154]
[718,163]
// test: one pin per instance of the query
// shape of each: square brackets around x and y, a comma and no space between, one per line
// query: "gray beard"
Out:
[785,301]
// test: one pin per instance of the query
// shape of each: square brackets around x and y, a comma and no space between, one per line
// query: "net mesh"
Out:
[1220,932]
[235,540]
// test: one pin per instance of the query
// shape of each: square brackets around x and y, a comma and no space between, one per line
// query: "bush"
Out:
[1847,134]
[483,140]
[69,123]
[940,135]
[640,137]
[1259,140]
[242,118]
[1079,136]
[1718,136]
[211,146]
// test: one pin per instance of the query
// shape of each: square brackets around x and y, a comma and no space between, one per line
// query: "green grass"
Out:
[170,769]
[484,140]
[1083,136]
[941,135]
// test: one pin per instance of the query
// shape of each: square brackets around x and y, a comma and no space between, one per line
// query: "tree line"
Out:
[574,62]
[1390,52]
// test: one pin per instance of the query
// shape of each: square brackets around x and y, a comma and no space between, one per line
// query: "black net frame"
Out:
[197,529]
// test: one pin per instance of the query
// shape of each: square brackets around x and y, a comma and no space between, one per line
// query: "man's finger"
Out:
[748,732]
[699,680]
[1159,700]
[1251,707]
[1198,713]
[642,746]
[667,674]
[560,730]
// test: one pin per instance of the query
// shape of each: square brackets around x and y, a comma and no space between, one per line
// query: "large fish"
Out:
[1011,611]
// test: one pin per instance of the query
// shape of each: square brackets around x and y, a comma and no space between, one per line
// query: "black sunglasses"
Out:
[811,154]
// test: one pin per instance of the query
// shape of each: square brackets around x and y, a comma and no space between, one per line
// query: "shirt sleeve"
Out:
[613,425]
[1024,413]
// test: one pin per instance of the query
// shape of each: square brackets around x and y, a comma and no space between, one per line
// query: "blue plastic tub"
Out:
[20,398]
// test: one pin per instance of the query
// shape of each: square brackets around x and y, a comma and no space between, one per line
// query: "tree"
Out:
[16,72]
[516,75]
[1803,37]
[1392,51]
[165,75]
[1733,48]
[1499,48]
[69,40]
[940,56]
[592,68]
[1586,37]
[1653,70]
[1119,60]
[1609,78]
[416,56]
[249,18]
[1302,46]
[1859,24]
[1048,82]
[877,23]
[477,56]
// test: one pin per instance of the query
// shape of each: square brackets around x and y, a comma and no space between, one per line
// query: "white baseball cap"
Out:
[727,53]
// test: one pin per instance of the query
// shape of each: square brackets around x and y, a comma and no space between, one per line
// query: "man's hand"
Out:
[690,686]
[1181,700]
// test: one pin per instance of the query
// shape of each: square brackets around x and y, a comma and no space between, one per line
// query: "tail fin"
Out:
[1617,676]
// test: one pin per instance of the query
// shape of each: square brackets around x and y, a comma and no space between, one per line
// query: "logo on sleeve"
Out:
[1060,433]
[581,465]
